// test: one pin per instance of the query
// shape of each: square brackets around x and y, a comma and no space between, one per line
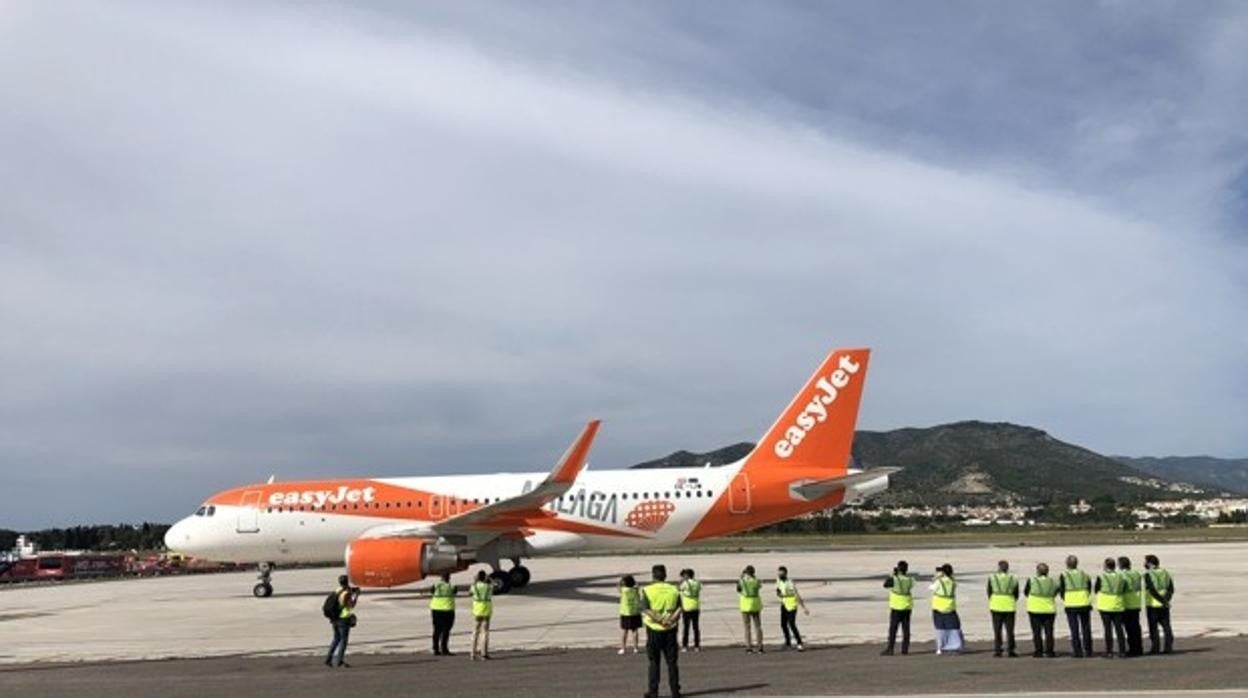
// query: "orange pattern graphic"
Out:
[650,516]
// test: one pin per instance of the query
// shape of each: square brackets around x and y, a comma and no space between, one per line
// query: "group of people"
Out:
[1118,593]
[339,608]
[750,602]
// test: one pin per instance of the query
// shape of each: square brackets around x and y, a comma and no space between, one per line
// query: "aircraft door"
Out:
[739,494]
[249,512]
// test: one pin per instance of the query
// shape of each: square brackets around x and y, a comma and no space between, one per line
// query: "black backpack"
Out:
[332,608]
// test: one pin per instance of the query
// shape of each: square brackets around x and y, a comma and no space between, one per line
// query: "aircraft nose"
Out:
[177,536]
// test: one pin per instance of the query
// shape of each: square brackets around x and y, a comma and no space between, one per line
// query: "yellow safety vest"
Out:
[1132,590]
[750,601]
[662,598]
[1042,595]
[1109,598]
[482,599]
[1161,582]
[346,611]
[788,594]
[944,598]
[900,595]
[630,602]
[691,595]
[1004,587]
[1078,589]
[443,597]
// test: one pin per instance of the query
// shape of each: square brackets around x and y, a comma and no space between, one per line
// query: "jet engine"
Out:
[388,562]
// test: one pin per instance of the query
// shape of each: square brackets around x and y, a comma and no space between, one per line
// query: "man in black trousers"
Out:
[900,587]
[1158,590]
[660,612]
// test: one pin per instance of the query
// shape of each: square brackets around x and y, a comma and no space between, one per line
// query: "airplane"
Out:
[398,530]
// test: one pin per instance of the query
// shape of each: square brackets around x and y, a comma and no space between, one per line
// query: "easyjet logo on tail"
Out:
[816,411]
[323,497]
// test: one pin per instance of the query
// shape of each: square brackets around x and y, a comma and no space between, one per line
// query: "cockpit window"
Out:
[212,510]
[200,511]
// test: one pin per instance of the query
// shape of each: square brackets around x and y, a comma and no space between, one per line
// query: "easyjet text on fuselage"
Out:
[341,495]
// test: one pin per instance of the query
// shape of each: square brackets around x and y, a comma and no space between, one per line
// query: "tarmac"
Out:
[545,633]
[1209,667]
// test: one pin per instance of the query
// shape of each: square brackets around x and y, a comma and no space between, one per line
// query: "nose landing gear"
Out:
[263,589]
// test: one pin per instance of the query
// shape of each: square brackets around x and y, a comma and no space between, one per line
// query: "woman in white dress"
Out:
[944,590]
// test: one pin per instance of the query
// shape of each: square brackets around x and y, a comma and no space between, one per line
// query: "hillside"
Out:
[976,462]
[686,459]
[1226,474]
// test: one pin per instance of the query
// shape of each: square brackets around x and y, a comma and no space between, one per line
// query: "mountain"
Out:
[1225,474]
[685,459]
[977,462]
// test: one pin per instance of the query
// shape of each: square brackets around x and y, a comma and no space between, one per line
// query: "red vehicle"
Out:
[60,566]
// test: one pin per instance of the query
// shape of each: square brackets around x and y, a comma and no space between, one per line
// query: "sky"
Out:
[317,239]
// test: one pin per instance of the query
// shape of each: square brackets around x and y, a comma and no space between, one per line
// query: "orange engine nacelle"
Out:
[388,562]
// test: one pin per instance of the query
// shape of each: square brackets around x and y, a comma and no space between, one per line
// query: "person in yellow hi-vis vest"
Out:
[442,610]
[1109,603]
[482,592]
[630,612]
[339,608]
[790,601]
[900,605]
[944,590]
[1132,604]
[751,603]
[660,612]
[690,610]
[1159,586]
[1041,593]
[1075,588]
[1002,604]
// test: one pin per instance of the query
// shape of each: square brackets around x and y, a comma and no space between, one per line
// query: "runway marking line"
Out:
[1058,694]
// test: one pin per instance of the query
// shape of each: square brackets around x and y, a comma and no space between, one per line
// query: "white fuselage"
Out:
[600,498]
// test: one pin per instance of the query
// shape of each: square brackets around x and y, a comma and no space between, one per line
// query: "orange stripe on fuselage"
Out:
[373,499]
[353,497]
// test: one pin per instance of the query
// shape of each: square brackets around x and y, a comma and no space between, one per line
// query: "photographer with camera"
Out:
[339,609]
[900,587]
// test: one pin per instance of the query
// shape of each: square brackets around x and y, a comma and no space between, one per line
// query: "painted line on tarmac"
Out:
[1061,694]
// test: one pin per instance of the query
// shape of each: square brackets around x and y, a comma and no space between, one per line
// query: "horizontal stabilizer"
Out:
[821,488]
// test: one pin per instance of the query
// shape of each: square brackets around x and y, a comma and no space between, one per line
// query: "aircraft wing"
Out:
[820,488]
[509,514]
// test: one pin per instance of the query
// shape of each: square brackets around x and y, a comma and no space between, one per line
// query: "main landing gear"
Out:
[263,589]
[516,578]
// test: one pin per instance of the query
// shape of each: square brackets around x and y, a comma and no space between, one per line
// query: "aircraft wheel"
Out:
[501,581]
[263,590]
[520,576]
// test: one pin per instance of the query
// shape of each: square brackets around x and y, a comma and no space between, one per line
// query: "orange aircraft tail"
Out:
[816,430]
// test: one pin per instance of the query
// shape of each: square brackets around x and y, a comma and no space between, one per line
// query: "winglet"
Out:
[573,460]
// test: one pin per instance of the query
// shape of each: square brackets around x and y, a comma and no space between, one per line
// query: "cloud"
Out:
[333,241]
